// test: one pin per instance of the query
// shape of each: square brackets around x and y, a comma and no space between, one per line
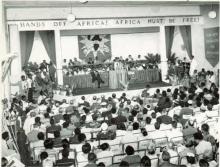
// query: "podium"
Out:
[116,77]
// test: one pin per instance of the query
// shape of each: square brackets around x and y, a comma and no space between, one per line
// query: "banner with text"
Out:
[211,36]
[106,23]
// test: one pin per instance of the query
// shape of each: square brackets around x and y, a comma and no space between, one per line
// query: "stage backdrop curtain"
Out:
[169,34]
[48,39]
[26,43]
[186,35]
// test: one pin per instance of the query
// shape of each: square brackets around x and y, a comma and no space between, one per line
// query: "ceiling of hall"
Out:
[66,3]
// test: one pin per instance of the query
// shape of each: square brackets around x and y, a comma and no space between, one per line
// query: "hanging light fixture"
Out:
[212,13]
[71,17]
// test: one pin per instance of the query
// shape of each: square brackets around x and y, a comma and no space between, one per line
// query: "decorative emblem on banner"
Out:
[211,36]
[94,47]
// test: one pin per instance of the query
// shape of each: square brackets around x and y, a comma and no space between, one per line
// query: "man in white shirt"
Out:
[175,134]
[106,152]
[158,135]
[204,148]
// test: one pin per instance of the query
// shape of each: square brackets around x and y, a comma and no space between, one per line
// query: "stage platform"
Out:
[134,90]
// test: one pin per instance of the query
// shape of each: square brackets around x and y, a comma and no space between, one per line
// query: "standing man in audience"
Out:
[193,66]
[52,72]
[30,88]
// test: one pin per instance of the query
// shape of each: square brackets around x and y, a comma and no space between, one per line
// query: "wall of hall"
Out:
[197,31]
[121,45]
[48,13]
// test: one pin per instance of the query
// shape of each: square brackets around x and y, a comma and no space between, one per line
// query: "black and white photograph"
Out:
[109,83]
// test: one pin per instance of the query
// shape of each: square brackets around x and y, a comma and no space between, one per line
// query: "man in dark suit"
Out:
[96,77]
[65,161]
[166,161]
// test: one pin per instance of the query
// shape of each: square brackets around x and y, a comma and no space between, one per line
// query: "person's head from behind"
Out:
[81,137]
[145,161]
[104,146]
[164,93]
[198,137]
[144,132]
[148,120]
[4,162]
[135,126]
[86,148]
[205,128]
[190,157]
[43,155]
[129,150]
[52,122]
[153,115]
[157,125]
[166,156]
[48,144]
[101,164]
[5,136]
[174,124]
[40,136]
[65,144]
[203,163]
[124,164]
[92,157]
[65,125]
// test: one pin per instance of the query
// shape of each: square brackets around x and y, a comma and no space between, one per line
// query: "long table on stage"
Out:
[137,76]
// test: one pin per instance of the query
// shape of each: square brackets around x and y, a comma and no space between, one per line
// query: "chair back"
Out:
[116,159]
[161,142]
[106,160]
[143,144]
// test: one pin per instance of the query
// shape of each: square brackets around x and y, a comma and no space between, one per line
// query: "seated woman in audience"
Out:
[131,158]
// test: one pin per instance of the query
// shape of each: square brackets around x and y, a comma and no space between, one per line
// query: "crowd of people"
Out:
[78,67]
[181,122]
[183,72]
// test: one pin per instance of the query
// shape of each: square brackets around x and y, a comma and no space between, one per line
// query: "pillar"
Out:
[5,88]
[58,57]
[164,65]
[15,72]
